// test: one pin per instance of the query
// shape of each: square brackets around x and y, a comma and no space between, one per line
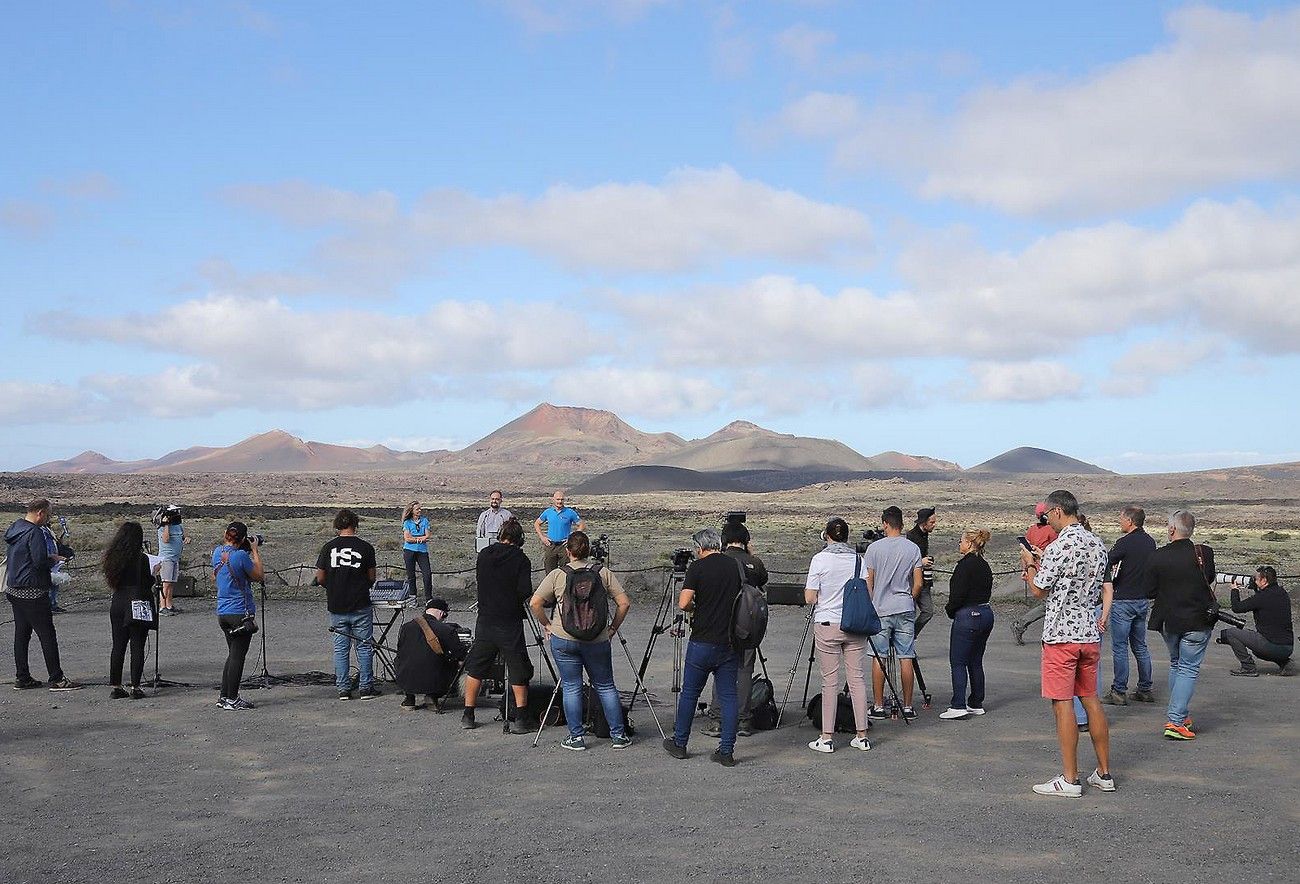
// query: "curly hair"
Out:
[121,561]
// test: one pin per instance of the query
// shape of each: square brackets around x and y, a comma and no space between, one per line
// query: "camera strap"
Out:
[430,637]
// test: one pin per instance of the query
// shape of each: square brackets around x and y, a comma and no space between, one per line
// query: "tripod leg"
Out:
[640,686]
[460,670]
[889,681]
[545,715]
[920,683]
[794,667]
[807,679]
[505,699]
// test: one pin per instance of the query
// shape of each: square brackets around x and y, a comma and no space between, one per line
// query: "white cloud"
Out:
[1035,381]
[1219,104]
[694,218]
[34,402]
[25,218]
[645,392]
[1137,369]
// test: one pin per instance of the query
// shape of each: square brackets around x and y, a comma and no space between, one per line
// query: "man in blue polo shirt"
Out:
[553,528]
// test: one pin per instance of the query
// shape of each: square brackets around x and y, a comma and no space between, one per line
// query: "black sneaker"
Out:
[64,684]
[370,692]
[525,725]
[26,684]
[137,694]
[725,759]
[467,719]
[408,703]
[878,713]
[345,695]
[909,713]
[117,694]
[671,747]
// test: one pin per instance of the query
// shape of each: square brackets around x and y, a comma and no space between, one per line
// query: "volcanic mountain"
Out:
[741,445]
[564,437]
[1038,460]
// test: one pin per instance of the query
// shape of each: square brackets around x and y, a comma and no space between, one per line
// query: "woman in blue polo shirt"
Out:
[236,563]
[415,547]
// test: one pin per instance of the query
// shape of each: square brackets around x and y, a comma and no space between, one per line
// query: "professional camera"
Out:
[247,625]
[682,558]
[869,537]
[247,545]
[733,516]
[1241,581]
[170,514]
[600,548]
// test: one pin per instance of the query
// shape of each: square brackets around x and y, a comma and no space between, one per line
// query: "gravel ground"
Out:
[307,789]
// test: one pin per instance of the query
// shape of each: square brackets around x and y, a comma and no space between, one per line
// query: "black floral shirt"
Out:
[1072,570]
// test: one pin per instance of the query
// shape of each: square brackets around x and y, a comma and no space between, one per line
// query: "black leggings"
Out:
[415,558]
[237,642]
[123,633]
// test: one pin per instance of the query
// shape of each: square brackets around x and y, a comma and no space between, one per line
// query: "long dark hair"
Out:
[122,558]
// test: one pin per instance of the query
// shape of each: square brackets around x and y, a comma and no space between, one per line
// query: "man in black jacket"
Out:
[735,543]
[504,583]
[429,651]
[28,590]
[1272,638]
[1126,567]
[1176,580]
[919,534]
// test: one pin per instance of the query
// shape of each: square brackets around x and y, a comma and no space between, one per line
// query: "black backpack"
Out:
[748,614]
[762,705]
[844,721]
[595,711]
[584,610]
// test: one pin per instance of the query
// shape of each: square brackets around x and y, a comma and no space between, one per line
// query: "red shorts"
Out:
[1070,670]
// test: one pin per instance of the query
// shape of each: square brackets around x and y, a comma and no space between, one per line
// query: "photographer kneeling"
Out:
[576,591]
[1272,638]
[235,565]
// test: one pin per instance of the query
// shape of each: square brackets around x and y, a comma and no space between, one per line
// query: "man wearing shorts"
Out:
[893,566]
[171,540]
[1070,577]
[504,582]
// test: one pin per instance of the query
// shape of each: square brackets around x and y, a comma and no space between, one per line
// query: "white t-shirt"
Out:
[828,571]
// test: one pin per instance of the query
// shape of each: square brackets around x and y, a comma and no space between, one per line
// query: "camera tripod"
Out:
[667,619]
[807,682]
[159,682]
[263,679]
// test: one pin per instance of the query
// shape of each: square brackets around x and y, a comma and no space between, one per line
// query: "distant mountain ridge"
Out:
[566,440]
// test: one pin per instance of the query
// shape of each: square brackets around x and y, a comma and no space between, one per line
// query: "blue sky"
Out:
[942,228]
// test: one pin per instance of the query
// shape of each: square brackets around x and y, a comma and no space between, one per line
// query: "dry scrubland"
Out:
[1249,519]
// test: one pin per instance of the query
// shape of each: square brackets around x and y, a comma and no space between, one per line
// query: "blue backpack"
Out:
[859,616]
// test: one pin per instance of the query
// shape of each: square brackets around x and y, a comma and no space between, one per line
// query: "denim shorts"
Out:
[898,630]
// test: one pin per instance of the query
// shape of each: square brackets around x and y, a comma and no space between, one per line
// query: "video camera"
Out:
[682,557]
[869,537]
[733,516]
[168,514]
[600,548]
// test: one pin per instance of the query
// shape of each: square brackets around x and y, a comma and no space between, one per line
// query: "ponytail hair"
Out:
[837,530]
[977,539]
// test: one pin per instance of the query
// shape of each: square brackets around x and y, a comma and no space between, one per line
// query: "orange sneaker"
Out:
[1178,732]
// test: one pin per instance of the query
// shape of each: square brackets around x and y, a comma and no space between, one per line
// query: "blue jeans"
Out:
[1080,715]
[702,660]
[1128,629]
[1186,651]
[355,628]
[966,642]
[571,658]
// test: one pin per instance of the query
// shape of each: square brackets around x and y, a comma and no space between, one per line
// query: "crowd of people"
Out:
[1086,590]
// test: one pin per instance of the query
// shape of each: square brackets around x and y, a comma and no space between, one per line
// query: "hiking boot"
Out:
[525,725]
[577,744]
[671,747]
[1114,698]
[1287,668]
[1059,787]
[744,728]
[370,692]
[64,684]
[1018,633]
[117,694]
[1141,696]
[726,759]
[467,721]
[1104,782]
[861,743]
[1178,731]
[1245,671]
[878,713]
[26,684]
[712,729]
[136,693]
[822,744]
[622,742]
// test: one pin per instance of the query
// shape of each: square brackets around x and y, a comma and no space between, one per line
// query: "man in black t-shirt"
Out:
[710,589]
[1273,638]
[346,568]
[919,534]
[735,545]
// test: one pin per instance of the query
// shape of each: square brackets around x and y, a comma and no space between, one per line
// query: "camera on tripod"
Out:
[869,537]
[600,548]
[682,557]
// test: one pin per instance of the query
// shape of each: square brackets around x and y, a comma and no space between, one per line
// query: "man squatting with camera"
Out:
[1272,638]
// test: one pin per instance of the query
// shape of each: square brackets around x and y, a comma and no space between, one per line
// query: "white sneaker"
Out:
[821,744]
[1059,788]
[975,710]
[954,714]
[1105,784]
[860,743]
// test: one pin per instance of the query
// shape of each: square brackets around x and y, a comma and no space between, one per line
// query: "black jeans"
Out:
[969,637]
[34,615]
[412,559]
[124,633]
[1243,641]
[237,643]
